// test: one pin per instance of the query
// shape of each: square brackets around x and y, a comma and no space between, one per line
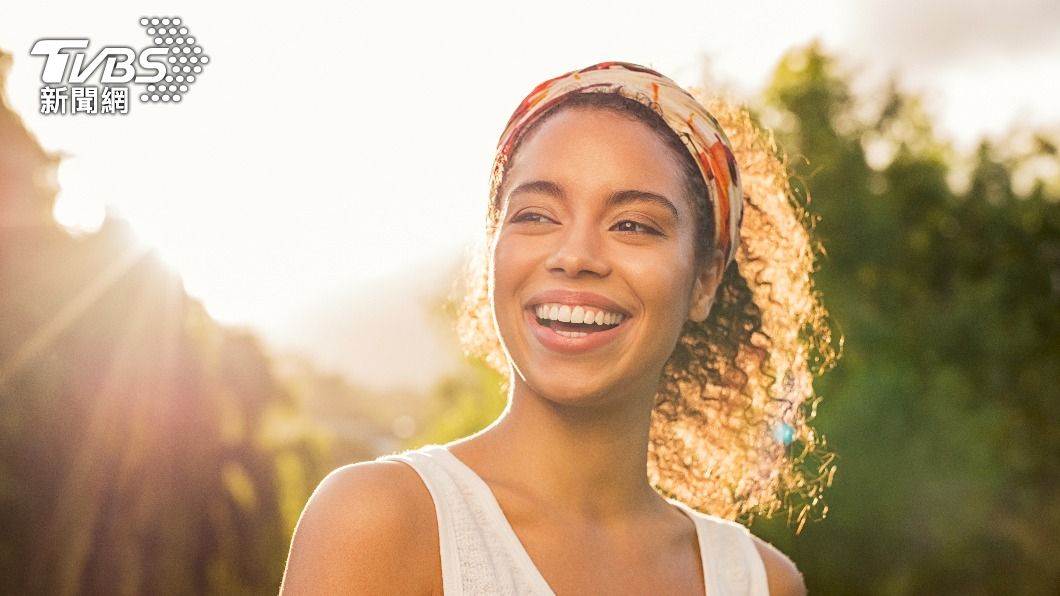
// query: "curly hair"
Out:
[730,430]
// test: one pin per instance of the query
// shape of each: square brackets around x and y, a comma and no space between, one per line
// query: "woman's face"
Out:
[593,265]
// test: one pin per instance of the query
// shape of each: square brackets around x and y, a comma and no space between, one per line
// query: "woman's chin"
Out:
[573,389]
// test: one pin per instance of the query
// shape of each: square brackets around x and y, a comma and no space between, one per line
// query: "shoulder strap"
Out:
[437,484]
[735,561]
[478,557]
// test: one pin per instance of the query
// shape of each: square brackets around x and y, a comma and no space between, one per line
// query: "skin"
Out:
[577,424]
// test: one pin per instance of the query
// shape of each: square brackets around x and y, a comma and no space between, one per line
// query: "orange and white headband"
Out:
[699,131]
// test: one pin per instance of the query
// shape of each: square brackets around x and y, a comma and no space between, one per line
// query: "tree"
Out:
[943,411]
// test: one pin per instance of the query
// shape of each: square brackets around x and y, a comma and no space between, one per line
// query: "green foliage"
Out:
[944,408]
[464,404]
[141,443]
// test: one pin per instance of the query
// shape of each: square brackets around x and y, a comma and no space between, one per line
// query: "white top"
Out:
[482,555]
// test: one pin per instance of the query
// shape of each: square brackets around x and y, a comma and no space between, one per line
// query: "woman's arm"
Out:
[362,532]
[783,577]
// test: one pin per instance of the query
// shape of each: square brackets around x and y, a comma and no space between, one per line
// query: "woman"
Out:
[634,340]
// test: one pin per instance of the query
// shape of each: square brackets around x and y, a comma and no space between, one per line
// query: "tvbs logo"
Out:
[118,63]
[166,70]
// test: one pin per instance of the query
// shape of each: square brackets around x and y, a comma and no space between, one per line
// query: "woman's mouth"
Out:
[576,328]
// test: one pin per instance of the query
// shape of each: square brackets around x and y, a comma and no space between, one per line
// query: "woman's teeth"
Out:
[570,333]
[578,314]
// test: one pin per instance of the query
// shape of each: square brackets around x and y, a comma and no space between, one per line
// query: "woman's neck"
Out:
[588,460]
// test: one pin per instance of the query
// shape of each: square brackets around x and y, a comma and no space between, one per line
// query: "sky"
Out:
[329,154]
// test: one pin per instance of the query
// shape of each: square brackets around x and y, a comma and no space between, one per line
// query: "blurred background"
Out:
[206,307]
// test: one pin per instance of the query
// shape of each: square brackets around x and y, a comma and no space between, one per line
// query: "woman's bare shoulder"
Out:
[783,576]
[362,532]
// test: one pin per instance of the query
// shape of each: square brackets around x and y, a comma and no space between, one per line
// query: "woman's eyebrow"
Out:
[544,187]
[620,197]
[632,196]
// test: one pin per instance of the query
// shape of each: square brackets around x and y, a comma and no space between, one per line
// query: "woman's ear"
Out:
[706,286]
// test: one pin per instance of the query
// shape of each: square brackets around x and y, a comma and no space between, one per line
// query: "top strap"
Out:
[731,558]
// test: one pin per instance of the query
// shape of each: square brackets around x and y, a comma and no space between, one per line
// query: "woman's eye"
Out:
[530,216]
[636,227]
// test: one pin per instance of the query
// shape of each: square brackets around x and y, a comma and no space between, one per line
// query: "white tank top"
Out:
[482,555]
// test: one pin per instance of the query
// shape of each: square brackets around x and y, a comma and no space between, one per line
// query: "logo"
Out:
[163,72]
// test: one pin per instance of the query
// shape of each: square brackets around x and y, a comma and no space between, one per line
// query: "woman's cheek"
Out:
[666,287]
[506,271]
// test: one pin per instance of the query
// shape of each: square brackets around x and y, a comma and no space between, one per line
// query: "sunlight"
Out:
[177,236]
[77,208]
[70,311]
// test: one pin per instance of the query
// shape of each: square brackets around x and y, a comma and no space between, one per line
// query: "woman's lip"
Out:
[572,345]
[574,298]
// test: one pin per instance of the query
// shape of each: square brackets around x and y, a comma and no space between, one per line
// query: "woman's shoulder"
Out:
[374,493]
[363,529]
[783,576]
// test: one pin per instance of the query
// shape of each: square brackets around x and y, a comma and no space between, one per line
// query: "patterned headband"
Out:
[684,115]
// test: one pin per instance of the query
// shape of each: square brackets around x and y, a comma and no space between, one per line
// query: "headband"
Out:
[684,115]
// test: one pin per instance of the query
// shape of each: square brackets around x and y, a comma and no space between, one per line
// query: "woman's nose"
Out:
[579,249]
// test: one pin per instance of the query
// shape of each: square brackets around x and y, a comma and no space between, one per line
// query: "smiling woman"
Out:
[652,310]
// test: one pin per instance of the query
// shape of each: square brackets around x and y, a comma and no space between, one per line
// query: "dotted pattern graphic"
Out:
[184,58]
